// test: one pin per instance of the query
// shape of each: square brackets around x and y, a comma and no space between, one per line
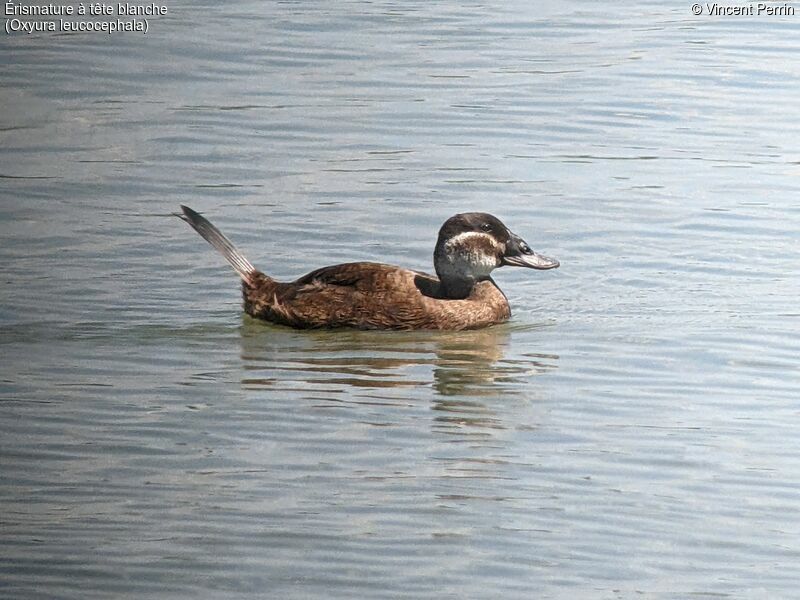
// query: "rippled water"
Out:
[632,432]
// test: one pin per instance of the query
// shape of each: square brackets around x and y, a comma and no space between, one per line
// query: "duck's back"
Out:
[369,295]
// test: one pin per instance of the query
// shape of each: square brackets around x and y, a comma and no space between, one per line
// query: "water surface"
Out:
[632,432]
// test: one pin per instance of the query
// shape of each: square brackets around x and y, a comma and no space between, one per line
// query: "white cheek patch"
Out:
[474,239]
[473,254]
[482,265]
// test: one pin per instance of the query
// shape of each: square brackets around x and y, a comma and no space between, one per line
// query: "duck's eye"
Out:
[525,248]
[486,226]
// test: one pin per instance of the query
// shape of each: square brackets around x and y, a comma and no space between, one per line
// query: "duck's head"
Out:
[472,245]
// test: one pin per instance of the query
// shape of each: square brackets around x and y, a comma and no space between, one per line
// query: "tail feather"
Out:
[223,245]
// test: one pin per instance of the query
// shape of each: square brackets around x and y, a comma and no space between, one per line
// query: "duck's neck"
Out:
[456,288]
[455,278]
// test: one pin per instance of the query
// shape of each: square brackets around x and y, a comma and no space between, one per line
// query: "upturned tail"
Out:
[223,245]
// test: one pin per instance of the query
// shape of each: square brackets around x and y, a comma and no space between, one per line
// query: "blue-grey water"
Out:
[632,432]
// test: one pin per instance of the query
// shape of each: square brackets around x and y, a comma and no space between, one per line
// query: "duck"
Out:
[371,295]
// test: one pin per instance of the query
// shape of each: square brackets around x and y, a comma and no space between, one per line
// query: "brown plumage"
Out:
[368,295]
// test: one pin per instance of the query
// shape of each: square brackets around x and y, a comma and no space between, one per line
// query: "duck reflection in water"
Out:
[355,363]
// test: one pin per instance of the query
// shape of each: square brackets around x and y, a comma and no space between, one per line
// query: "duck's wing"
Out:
[376,279]
[346,295]
[359,275]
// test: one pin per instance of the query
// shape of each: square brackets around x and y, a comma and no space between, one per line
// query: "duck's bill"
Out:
[531,261]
